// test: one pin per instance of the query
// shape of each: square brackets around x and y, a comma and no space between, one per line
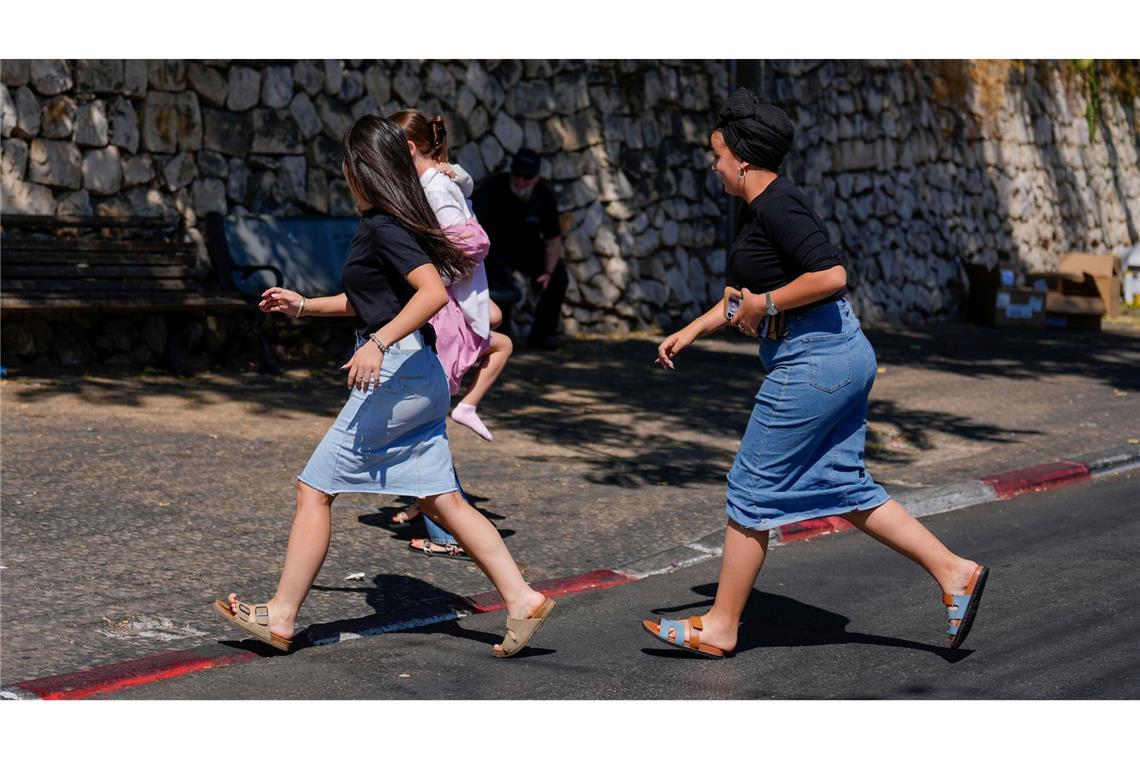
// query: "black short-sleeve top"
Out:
[381,255]
[780,238]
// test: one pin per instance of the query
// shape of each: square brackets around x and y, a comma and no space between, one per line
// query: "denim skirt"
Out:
[392,437]
[802,454]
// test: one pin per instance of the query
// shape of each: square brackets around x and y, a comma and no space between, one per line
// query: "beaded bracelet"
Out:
[383,349]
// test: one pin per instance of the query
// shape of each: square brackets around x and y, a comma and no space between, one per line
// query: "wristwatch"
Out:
[772,310]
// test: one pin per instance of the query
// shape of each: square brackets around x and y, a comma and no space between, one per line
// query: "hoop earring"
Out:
[741,171]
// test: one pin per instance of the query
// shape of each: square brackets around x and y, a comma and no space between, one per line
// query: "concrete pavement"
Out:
[130,502]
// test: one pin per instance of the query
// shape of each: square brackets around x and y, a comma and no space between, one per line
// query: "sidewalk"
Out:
[130,502]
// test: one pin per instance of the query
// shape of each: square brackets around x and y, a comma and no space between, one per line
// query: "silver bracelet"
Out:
[383,349]
[301,307]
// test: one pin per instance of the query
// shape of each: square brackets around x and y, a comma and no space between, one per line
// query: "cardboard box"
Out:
[1071,300]
[1105,269]
[996,302]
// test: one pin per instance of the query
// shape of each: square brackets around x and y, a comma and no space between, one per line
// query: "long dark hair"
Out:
[381,171]
[429,135]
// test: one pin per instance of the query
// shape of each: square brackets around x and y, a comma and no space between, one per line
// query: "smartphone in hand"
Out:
[732,300]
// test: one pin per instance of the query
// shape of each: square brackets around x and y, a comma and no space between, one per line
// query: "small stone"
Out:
[99,75]
[55,163]
[124,125]
[291,176]
[8,113]
[352,86]
[307,76]
[28,119]
[276,86]
[171,122]
[166,75]
[305,114]
[317,191]
[15,158]
[533,100]
[134,78]
[407,85]
[91,125]
[324,153]
[209,195]
[377,84]
[15,72]
[237,183]
[335,117]
[50,77]
[225,132]
[25,197]
[57,117]
[137,170]
[102,171]
[440,84]
[179,171]
[244,90]
[275,132]
[334,76]
[209,83]
[77,203]
[509,133]
[366,106]
[212,164]
[492,153]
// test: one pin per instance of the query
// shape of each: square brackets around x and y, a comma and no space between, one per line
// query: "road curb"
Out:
[921,503]
[117,676]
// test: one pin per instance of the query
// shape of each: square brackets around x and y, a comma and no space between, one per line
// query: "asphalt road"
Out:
[834,618]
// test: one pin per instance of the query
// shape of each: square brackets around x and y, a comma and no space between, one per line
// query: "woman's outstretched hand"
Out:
[751,312]
[281,301]
[364,366]
[673,345]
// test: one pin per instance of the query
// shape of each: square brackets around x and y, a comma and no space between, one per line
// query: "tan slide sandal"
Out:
[253,620]
[520,631]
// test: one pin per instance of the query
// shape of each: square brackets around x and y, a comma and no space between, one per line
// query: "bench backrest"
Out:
[92,263]
[309,251]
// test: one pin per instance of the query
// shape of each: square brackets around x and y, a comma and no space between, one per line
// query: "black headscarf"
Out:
[760,133]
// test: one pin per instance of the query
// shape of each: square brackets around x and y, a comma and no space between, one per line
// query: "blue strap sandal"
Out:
[689,640]
[962,609]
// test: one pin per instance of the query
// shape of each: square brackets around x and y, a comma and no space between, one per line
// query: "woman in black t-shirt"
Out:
[391,435]
[801,456]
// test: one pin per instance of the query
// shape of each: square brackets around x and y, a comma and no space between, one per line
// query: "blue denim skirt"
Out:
[392,437]
[802,454]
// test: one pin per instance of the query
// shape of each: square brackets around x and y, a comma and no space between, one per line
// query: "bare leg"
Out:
[496,355]
[485,546]
[744,552]
[308,545]
[496,315]
[891,525]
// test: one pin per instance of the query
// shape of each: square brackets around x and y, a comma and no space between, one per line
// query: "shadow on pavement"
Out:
[771,620]
[598,399]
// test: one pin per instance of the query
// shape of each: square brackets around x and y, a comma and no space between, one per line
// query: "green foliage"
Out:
[1086,69]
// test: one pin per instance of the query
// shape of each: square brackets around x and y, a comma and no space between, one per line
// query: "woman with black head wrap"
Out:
[801,456]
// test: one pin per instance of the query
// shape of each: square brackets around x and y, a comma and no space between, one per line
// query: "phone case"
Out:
[732,293]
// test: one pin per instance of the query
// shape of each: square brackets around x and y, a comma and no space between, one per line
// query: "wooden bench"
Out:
[110,264]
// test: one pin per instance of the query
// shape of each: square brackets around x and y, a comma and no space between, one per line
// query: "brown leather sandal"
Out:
[520,630]
[255,620]
[684,637]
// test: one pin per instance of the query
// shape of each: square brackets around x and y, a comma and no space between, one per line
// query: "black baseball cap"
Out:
[525,164]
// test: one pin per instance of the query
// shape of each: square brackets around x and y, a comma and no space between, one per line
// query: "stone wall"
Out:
[914,166]
[622,142]
[917,166]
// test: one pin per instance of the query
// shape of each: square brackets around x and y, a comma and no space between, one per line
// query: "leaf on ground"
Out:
[354,577]
[1117,392]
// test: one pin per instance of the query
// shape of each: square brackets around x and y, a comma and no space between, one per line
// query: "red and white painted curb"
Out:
[1007,485]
